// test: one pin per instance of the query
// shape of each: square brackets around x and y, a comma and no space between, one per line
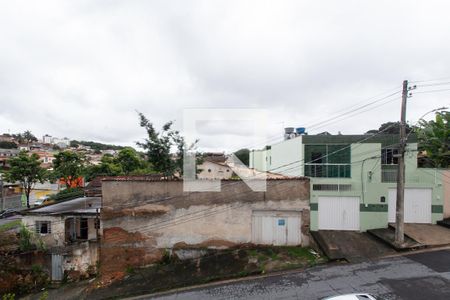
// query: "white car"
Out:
[358,296]
[42,200]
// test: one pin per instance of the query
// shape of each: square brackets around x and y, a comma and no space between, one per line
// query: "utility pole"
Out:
[399,214]
[2,194]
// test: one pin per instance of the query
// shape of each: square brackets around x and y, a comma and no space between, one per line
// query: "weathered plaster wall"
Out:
[81,259]
[142,218]
[53,239]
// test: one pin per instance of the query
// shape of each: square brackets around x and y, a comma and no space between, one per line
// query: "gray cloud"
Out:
[81,68]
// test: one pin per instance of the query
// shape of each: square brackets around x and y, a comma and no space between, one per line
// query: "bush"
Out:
[68,194]
[25,236]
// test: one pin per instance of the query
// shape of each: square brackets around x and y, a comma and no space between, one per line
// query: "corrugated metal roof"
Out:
[83,205]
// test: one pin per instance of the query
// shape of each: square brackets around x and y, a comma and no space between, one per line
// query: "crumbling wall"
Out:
[80,260]
[57,235]
[141,219]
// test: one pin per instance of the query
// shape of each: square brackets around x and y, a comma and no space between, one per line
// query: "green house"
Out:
[353,179]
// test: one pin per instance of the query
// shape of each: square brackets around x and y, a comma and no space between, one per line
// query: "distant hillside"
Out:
[95,145]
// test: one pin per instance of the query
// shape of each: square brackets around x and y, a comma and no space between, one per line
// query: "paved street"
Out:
[418,276]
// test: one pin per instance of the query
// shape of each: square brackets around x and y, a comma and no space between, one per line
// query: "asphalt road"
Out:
[413,277]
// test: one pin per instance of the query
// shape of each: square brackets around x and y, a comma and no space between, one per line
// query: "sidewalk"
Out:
[416,236]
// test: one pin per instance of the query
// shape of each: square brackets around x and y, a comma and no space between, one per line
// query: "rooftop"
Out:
[84,205]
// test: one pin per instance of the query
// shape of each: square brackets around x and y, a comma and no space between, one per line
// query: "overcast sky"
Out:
[81,69]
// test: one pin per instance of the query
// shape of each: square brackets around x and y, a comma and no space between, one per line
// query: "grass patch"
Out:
[278,258]
[9,225]
[298,252]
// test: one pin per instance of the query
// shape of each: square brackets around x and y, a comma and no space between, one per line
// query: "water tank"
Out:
[300,130]
[289,130]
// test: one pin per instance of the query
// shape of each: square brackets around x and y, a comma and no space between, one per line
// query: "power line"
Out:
[434,84]
[353,109]
[372,108]
[432,91]
[356,109]
[430,80]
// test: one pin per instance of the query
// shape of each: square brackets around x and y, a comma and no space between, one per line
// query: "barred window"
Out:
[43,227]
[332,187]
[389,156]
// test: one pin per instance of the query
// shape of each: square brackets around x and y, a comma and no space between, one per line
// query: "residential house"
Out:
[214,166]
[70,230]
[353,179]
[12,195]
[6,138]
[46,158]
[47,139]
[5,155]
[62,143]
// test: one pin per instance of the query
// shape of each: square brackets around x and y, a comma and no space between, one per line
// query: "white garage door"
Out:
[417,205]
[276,228]
[338,213]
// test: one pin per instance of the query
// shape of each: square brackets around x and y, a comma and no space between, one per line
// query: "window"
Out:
[43,227]
[389,156]
[327,161]
[332,187]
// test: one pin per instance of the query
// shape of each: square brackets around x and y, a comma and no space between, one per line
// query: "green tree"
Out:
[243,155]
[128,160]
[159,144]
[390,128]
[69,166]
[27,170]
[434,138]
[107,167]
[28,137]
[7,145]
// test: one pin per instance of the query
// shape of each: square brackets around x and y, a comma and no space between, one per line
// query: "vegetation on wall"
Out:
[434,139]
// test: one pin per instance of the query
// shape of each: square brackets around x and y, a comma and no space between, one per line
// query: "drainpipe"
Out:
[363,178]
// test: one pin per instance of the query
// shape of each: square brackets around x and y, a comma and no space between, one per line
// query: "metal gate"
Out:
[338,213]
[57,270]
[278,228]
[417,205]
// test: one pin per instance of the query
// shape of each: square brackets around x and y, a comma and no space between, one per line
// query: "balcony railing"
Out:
[328,170]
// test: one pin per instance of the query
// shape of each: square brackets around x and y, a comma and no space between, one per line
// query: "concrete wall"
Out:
[81,259]
[143,218]
[258,160]
[284,158]
[57,235]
